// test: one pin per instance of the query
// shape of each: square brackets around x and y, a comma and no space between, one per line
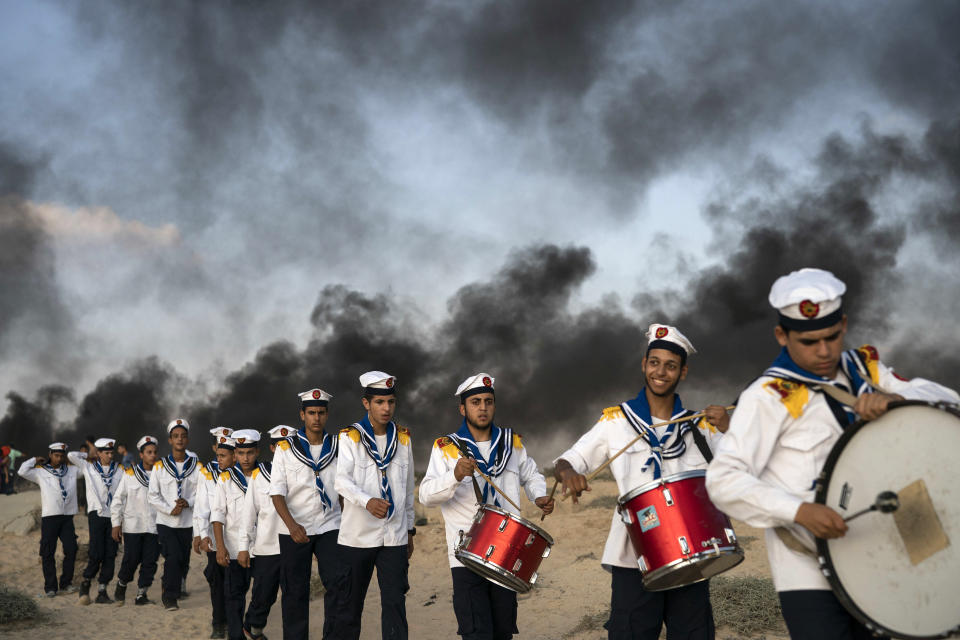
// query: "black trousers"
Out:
[236,582]
[53,528]
[265,574]
[295,567]
[484,610]
[175,549]
[216,578]
[143,550]
[391,564]
[103,549]
[638,614]
[818,615]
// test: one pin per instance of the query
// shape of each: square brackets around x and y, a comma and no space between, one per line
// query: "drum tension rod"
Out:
[887,502]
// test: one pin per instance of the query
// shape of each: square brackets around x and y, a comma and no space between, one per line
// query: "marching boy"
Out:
[203,538]
[134,518]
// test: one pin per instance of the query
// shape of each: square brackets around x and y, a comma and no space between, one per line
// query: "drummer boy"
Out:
[781,432]
[635,612]
[484,610]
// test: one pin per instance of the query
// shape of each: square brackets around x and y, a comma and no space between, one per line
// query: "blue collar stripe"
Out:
[236,474]
[501,449]
[382,460]
[171,466]
[300,447]
[141,474]
[671,445]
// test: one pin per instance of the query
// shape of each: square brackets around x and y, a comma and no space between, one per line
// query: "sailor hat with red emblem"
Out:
[314,398]
[226,442]
[281,431]
[663,336]
[808,299]
[378,383]
[219,432]
[246,438]
[104,444]
[144,441]
[479,383]
[57,446]
[177,422]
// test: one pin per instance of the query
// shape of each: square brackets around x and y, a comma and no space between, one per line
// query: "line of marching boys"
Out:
[347,499]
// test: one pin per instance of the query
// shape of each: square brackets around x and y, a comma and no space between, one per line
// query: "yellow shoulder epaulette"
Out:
[612,413]
[793,395]
[705,424]
[517,441]
[352,432]
[206,473]
[256,470]
[403,435]
[224,475]
[871,357]
[284,444]
[447,447]
[157,465]
[128,470]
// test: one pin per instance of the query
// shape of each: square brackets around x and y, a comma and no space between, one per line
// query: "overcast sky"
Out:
[518,186]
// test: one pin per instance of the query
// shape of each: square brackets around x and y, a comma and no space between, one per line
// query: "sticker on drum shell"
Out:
[648,519]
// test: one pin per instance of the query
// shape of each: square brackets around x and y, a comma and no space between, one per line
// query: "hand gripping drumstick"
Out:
[552,491]
[606,464]
[488,480]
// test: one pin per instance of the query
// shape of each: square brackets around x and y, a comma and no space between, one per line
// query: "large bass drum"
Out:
[898,572]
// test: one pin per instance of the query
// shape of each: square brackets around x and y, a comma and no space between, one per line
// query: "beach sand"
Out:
[570,600]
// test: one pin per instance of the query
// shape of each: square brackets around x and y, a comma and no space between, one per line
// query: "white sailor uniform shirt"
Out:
[130,509]
[260,525]
[162,493]
[779,438]
[206,489]
[297,483]
[358,480]
[610,434]
[227,509]
[52,500]
[99,494]
[457,501]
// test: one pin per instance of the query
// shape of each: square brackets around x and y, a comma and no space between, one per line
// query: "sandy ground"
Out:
[572,584]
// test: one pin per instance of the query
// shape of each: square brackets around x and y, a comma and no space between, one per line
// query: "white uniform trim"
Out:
[130,509]
[358,480]
[610,434]
[206,487]
[97,493]
[51,498]
[766,466]
[457,501]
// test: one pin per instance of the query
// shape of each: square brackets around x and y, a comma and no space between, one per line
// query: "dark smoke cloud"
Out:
[31,426]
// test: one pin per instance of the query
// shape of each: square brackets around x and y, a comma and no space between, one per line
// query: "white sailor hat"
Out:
[479,383]
[314,398]
[246,438]
[144,441]
[226,442]
[378,383]
[57,446]
[221,431]
[104,444]
[177,422]
[281,431]
[808,299]
[663,336]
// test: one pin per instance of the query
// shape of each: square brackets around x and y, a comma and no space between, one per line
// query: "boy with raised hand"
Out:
[57,479]
[135,520]
[226,515]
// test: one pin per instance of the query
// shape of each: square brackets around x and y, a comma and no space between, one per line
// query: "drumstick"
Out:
[497,489]
[606,464]
[550,497]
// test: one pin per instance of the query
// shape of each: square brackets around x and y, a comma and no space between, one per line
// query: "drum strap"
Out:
[701,443]
[792,542]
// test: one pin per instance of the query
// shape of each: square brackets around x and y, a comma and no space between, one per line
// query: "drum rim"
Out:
[674,477]
[820,497]
[546,536]
[467,555]
[734,550]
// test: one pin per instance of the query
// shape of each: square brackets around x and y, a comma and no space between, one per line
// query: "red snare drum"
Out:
[679,536]
[504,548]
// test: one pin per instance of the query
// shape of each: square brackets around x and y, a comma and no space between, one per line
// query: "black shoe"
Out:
[85,592]
[169,604]
[248,634]
[219,630]
[120,593]
[183,589]
[103,598]
[142,599]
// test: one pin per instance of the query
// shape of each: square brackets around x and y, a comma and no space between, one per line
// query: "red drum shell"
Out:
[679,535]
[504,548]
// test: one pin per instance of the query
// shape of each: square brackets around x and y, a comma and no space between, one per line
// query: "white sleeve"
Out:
[733,481]
[28,470]
[439,483]
[116,506]
[218,508]
[278,474]
[155,495]
[411,480]
[78,458]
[248,517]
[533,482]
[915,388]
[345,484]
[590,451]
[201,510]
